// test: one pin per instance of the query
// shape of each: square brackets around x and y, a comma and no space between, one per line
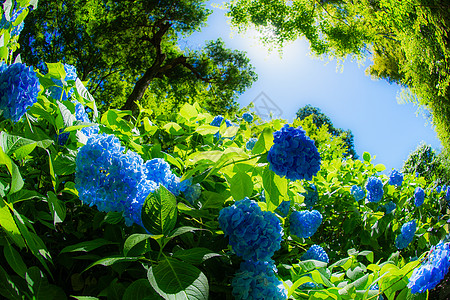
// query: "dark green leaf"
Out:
[195,256]
[159,212]
[140,289]
[14,260]
[87,246]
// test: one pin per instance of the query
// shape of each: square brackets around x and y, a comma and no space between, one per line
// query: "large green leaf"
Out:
[265,141]
[195,256]
[14,260]
[177,280]
[87,246]
[9,225]
[133,240]
[271,190]
[140,289]
[16,178]
[159,212]
[40,288]
[241,186]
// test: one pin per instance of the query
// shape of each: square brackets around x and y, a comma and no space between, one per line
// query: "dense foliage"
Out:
[128,52]
[184,209]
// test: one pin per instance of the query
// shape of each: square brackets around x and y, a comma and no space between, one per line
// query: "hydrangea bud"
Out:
[247,117]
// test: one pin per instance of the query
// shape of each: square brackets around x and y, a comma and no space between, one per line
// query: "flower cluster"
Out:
[432,271]
[407,234]
[357,192]
[293,154]
[158,170]
[396,178]
[374,187]
[19,88]
[247,117]
[419,196]
[257,280]
[317,253]
[311,196]
[251,143]
[217,121]
[113,180]
[390,206]
[253,234]
[305,223]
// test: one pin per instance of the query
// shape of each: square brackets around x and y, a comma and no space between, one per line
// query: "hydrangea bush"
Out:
[129,205]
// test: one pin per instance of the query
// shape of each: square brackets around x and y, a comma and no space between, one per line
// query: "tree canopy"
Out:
[320,119]
[129,53]
[408,40]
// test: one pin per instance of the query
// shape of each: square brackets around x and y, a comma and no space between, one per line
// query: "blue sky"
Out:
[351,99]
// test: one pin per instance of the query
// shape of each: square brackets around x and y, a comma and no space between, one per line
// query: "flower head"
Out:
[304,223]
[257,280]
[247,117]
[253,234]
[374,187]
[407,234]
[293,154]
[396,178]
[19,88]
[158,170]
[317,253]
[432,271]
[357,192]
[419,196]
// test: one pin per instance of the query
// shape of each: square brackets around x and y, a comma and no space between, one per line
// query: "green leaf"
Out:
[367,254]
[140,289]
[380,168]
[159,212]
[265,141]
[181,230]
[16,179]
[66,113]
[14,260]
[40,288]
[241,186]
[271,190]
[177,280]
[8,224]
[206,129]
[87,246]
[8,288]
[133,240]
[212,200]
[173,128]
[84,297]
[64,163]
[195,256]
[56,70]
[366,156]
[188,111]
[230,132]
[109,261]
[57,208]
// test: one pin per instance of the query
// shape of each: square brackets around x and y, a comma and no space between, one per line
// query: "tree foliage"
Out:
[409,40]
[320,119]
[128,51]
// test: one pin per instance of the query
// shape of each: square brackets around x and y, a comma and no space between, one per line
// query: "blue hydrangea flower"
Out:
[81,115]
[390,207]
[56,92]
[357,192]
[293,154]
[419,196]
[247,117]
[217,121]
[428,275]
[311,196]
[438,189]
[374,187]
[257,280]
[251,143]
[283,208]
[407,234]
[109,178]
[158,170]
[253,234]
[304,223]
[19,88]
[396,178]
[317,253]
